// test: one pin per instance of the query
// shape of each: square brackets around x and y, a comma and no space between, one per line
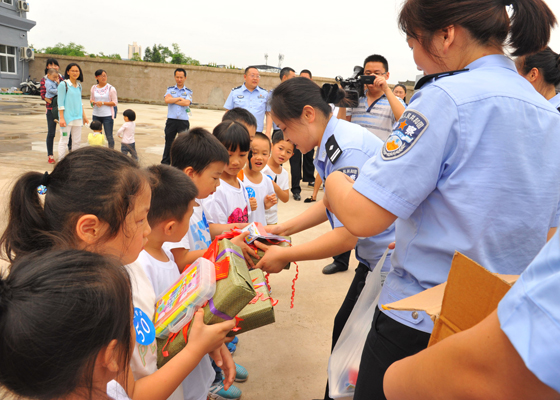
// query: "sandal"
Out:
[310,199]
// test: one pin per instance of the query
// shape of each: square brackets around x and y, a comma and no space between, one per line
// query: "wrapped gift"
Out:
[259,312]
[168,348]
[176,307]
[233,292]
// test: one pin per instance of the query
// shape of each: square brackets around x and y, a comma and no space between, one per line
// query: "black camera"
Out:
[354,87]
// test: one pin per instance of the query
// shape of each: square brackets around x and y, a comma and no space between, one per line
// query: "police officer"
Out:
[342,146]
[471,166]
[178,99]
[251,97]
[516,347]
[542,70]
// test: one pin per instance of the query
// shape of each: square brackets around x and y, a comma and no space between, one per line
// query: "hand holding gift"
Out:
[273,261]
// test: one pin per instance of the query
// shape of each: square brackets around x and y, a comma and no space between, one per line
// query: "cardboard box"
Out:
[470,294]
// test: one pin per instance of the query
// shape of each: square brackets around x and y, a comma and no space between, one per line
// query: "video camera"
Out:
[354,87]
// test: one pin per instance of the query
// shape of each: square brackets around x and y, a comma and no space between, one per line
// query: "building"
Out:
[14,53]
[133,48]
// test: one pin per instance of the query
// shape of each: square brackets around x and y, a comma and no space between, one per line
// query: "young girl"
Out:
[258,185]
[230,203]
[106,212]
[68,313]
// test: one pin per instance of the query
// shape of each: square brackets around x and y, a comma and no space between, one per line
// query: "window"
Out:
[11,2]
[7,58]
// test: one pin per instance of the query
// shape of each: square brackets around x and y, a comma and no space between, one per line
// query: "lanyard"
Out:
[374,103]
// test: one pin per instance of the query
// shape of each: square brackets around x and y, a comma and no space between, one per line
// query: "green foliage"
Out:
[136,57]
[71,49]
[162,54]
[108,56]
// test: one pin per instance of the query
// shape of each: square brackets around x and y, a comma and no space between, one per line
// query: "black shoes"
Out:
[333,268]
[297,197]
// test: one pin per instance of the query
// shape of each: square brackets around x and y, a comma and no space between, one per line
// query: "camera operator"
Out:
[378,107]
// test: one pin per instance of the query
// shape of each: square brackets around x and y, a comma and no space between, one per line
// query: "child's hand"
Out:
[247,251]
[253,203]
[49,101]
[278,229]
[204,338]
[269,201]
[273,260]
[223,359]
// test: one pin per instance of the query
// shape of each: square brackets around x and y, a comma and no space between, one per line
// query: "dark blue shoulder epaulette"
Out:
[427,78]
[188,89]
[238,87]
[262,88]
[170,87]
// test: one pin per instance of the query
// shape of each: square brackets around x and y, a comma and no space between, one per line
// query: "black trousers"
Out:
[347,306]
[51,131]
[296,167]
[343,259]
[172,128]
[388,341]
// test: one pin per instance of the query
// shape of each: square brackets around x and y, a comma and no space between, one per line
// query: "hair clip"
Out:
[41,189]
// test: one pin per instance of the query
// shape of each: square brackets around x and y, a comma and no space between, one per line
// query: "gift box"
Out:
[260,253]
[233,292]
[170,347]
[260,311]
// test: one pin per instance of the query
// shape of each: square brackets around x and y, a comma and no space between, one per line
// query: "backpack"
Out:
[54,102]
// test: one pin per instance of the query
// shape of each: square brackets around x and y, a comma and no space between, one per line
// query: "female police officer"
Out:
[300,110]
[542,70]
[472,165]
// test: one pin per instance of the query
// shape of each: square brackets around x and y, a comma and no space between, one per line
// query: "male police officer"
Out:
[178,99]
[252,98]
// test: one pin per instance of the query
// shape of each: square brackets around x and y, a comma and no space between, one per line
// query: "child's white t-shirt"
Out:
[261,190]
[162,275]
[228,205]
[144,358]
[283,180]
[198,237]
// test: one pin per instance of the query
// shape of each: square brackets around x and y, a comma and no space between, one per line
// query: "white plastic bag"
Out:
[344,361]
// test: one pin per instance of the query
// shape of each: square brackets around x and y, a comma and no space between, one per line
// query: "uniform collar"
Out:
[494,60]
[177,87]
[555,101]
[329,131]
[245,88]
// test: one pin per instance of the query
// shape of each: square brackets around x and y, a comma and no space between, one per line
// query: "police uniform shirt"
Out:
[255,102]
[175,111]
[555,101]
[529,315]
[464,170]
[346,147]
[379,120]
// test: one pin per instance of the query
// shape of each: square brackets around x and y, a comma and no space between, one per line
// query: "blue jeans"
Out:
[108,128]
[129,148]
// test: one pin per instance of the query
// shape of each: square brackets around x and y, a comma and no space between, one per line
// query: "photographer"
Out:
[378,107]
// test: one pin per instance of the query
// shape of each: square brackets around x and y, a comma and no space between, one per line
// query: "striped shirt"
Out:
[379,120]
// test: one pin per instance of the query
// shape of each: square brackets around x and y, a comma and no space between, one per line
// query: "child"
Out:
[96,137]
[106,212]
[76,300]
[126,133]
[230,203]
[244,117]
[51,85]
[173,198]
[258,185]
[282,151]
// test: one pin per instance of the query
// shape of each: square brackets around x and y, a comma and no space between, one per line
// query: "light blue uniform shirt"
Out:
[472,166]
[70,100]
[350,146]
[255,102]
[555,101]
[529,315]
[175,111]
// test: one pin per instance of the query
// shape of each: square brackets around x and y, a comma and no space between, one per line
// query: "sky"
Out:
[329,38]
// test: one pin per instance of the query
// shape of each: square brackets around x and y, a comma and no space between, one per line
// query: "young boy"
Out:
[51,85]
[202,157]
[282,151]
[173,199]
[258,185]
[126,134]
[96,137]
[244,117]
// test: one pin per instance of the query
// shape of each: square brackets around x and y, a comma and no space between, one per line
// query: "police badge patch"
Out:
[405,134]
[352,172]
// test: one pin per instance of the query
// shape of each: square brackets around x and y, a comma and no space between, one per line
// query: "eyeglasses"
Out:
[368,73]
[254,76]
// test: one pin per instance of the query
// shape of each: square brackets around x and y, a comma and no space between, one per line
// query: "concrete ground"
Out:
[285,360]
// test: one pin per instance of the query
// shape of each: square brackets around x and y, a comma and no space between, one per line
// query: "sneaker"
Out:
[217,392]
[235,340]
[241,374]
[231,347]
[52,160]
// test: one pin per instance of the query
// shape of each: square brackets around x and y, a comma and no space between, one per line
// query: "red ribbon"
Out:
[237,321]
[294,286]
[172,337]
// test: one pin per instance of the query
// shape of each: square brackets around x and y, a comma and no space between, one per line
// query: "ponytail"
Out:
[487,21]
[27,226]
[546,61]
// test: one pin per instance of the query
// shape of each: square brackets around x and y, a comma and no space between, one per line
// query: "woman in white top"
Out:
[103,99]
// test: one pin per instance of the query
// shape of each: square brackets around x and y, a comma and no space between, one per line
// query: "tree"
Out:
[148,54]
[162,54]
[109,56]
[136,57]
[71,49]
